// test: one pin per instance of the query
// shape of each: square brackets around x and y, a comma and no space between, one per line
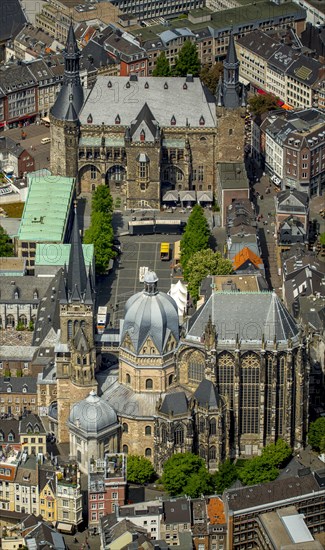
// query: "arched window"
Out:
[195,370]
[116,173]
[225,376]
[202,452]
[250,393]
[163,433]
[83,324]
[179,435]
[93,172]
[69,329]
[125,449]
[75,326]
[213,427]
[128,378]
[149,384]
[201,425]
[147,430]
[170,379]
[148,451]
[23,320]
[280,396]
[10,321]
[212,453]
[125,427]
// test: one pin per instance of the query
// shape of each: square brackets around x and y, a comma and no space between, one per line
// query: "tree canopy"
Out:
[162,67]
[264,468]
[322,239]
[186,474]
[100,231]
[187,61]
[195,237]
[6,247]
[204,263]
[210,75]
[139,469]
[316,434]
[262,103]
[225,476]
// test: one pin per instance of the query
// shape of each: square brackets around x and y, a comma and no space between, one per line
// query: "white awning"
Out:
[170,196]
[189,196]
[204,196]
[66,527]
[46,120]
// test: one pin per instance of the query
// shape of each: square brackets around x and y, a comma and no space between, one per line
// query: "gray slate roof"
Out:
[12,18]
[26,287]
[165,97]
[206,394]
[250,315]
[31,421]
[17,384]
[174,403]
[292,200]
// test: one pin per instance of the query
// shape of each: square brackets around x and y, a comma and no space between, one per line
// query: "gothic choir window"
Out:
[69,329]
[213,427]
[163,434]
[201,425]
[250,391]
[195,370]
[280,395]
[212,453]
[268,393]
[179,435]
[225,376]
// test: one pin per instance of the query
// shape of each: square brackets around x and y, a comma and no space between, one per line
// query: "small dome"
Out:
[150,314]
[93,414]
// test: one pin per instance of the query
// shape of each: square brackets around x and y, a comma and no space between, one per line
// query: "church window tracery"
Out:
[179,435]
[249,395]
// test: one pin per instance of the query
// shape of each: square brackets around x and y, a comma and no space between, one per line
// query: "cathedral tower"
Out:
[76,353]
[64,114]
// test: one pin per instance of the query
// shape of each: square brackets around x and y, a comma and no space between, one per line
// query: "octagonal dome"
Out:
[93,414]
[150,314]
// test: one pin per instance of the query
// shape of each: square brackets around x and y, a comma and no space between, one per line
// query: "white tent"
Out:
[178,292]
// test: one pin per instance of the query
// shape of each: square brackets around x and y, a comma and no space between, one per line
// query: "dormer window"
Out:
[173,121]
[184,86]
[35,295]
[117,119]
[166,86]
[142,135]
[89,118]
[128,85]
[9,389]
[11,437]
[36,429]
[146,85]
[202,121]
[24,389]
[109,84]
[16,294]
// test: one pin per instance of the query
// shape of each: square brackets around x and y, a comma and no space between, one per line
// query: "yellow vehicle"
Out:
[164,251]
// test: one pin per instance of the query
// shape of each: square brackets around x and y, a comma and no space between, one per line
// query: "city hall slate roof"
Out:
[12,18]
[114,96]
[47,209]
[250,315]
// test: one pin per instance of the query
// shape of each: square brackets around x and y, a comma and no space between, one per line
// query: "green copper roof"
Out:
[58,254]
[46,209]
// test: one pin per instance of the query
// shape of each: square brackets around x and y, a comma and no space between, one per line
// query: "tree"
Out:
[187,61]
[204,263]
[186,473]
[277,454]
[322,239]
[102,200]
[316,434]
[257,470]
[262,103]
[225,476]
[6,247]
[210,75]
[196,237]
[139,469]
[162,66]
[100,234]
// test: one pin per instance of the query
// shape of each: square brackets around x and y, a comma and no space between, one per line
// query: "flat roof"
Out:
[247,12]
[297,528]
[46,209]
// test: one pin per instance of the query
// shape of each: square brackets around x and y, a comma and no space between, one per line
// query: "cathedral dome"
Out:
[150,314]
[93,414]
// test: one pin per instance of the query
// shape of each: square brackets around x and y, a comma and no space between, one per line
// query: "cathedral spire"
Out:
[231,56]
[70,99]
[77,274]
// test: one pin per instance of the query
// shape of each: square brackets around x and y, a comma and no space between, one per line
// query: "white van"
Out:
[46,140]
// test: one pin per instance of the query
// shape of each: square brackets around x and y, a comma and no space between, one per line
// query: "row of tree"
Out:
[100,231]
[187,474]
[197,259]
